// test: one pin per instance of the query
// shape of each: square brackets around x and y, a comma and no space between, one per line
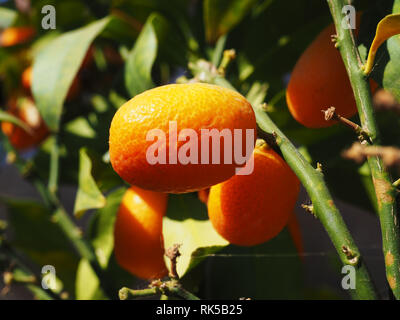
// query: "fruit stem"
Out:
[384,189]
[322,206]
[330,114]
[227,58]
[173,253]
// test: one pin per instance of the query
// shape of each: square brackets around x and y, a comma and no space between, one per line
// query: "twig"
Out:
[385,192]
[330,114]
[173,253]
[359,153]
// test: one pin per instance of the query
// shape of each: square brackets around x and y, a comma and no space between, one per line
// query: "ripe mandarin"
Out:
[27,112]
[138,241]
[318,81]
[250,209]
[194,106]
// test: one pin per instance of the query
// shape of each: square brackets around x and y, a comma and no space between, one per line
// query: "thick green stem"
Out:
[171,288]
[130,294]
[385,191]
[323,207]
[54,165]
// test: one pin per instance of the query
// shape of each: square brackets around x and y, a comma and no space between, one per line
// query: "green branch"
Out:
[323,206]
[171,288]
[385,191]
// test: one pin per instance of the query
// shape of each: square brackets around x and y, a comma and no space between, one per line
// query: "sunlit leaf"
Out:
[56,66]
[141,59]
[186,223]
[89,196]
[387,28]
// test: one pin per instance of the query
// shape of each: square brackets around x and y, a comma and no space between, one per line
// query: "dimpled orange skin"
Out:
[318,81]
[15,35]
[138,242]
[193,106]
[28,113]
[251,209]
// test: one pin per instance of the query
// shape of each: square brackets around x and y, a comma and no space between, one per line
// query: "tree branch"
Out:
[323,207]
[385,191]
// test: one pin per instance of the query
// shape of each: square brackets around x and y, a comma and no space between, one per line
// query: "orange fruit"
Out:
[318,81]
[73,91]
[192,107]
[295,233]
[138,241]
[16,35]
[27,112]
[251,209]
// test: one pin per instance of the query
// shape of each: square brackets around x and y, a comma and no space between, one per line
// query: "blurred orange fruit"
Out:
[203,195]
[194,106]
[295,233]
[27,112]
[16,35]
[251,209]
[318,81]
[138,241]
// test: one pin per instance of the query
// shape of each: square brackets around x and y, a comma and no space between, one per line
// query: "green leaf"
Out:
[7,17]
[41,239]
[56,66]
[141,59]
[89,196]
[7,117]
[87,284]
[220,16]
[186,223]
